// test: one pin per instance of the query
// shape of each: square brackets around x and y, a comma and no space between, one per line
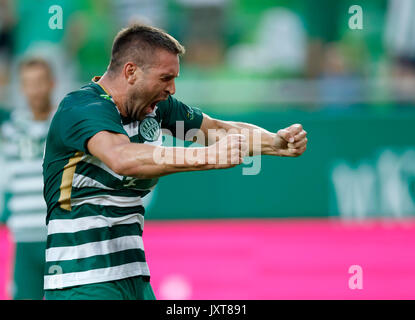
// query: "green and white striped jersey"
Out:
[95,216]
[23,206]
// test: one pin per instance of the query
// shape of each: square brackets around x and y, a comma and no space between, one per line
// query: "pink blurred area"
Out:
[6,264]
[280,259]
[272,259]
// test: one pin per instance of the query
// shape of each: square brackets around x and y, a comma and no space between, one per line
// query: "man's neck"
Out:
[42,114]
[112,88]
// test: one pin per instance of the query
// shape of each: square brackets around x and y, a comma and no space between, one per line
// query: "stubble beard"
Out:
[134,106]
[137,103]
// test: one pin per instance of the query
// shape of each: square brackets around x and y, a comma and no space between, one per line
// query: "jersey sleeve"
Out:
[175,113]
[78,124]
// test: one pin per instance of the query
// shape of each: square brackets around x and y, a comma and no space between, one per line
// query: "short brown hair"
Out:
[137,43]
[35,61]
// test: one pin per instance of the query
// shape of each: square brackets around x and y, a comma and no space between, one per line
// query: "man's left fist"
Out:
[291,141]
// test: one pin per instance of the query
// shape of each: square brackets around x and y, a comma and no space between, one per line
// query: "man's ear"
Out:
[131,71]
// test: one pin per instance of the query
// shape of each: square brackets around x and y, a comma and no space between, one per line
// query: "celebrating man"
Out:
[103,155]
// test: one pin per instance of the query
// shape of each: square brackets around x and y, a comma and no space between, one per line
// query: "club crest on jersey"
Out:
[149,129]
[190,114]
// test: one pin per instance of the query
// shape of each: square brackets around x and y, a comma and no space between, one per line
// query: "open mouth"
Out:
[153,106]
[150,108]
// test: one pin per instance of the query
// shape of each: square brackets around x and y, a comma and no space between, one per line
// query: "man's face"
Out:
[37,86]
[153,84]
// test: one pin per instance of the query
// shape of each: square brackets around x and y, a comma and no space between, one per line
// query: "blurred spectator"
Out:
[280,44]
[402,80]
[32,35]
[321,20]
[33,18]
[150,12]
[6,43]
[203,32]
[399,40]
[341,84]
[400,28]
[328,21]
[91,31]
[23,208]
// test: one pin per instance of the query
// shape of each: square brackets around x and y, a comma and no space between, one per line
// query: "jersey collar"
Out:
[107,96]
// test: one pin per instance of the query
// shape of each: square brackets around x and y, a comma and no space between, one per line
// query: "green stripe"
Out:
[93,235]
[88,210]
[135,139]
[97,262]
[144,184]
[52,182]
[90,192]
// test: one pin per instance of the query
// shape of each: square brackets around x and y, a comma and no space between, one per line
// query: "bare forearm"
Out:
[287,142]
[147,161]
[260,141]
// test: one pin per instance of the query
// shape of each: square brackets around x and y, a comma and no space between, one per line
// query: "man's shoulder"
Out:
[87,98]
[86,95]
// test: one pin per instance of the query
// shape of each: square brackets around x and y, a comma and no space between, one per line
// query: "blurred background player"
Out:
[22,143]
[6,46]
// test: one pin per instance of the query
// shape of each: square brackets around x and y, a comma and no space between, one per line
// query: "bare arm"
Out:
[287,142]
[147,161]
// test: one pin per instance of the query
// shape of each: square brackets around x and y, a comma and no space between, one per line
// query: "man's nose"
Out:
[171,88]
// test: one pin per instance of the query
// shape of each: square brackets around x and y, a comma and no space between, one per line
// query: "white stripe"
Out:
[8,130]
[127,270]
[27,184]
[81,181]
[30,236]
[26,203]
[27,221]
[131,128]
[108,200]
[25,167]
[86,223]
[94,248]
[95,161]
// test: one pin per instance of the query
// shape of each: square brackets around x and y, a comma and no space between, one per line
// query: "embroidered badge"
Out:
[149,129]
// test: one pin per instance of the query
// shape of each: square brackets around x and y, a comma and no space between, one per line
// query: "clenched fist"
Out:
[291,141]
[228,152]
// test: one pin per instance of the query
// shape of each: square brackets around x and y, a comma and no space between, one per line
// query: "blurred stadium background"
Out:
[293,230]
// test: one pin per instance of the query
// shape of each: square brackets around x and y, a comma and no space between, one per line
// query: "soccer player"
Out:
[102,156]
[23,139]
